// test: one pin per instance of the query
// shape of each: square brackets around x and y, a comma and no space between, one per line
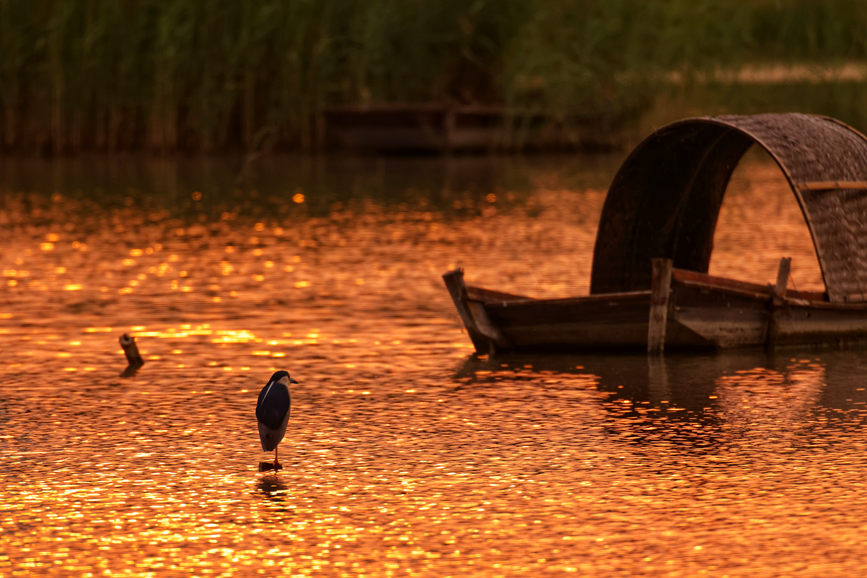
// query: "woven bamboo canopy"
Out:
[666,197]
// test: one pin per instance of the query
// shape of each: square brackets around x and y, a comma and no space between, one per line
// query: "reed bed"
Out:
[195,75]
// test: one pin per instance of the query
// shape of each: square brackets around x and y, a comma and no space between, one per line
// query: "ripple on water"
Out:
[404,453]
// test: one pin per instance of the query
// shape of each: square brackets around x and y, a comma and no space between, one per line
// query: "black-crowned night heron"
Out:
[272,412]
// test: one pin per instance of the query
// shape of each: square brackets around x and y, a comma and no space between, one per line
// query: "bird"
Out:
[272,412]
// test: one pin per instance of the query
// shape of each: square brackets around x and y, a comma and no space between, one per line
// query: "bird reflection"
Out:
[273,488]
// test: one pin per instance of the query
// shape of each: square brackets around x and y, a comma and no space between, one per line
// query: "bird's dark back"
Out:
[273,405]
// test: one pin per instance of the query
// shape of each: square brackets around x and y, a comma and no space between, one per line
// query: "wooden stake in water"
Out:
[133,357]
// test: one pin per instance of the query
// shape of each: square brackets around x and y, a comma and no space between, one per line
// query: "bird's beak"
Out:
[292,380]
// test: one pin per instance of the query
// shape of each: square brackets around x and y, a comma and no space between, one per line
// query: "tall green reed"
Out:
[198,75]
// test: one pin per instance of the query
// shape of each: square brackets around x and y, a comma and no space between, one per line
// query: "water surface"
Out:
[405,454]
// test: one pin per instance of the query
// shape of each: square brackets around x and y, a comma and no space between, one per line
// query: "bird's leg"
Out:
[276,462]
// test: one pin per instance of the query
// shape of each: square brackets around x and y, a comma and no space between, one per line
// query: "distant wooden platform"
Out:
[442,128]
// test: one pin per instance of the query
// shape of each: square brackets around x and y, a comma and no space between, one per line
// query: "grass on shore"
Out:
[195,75]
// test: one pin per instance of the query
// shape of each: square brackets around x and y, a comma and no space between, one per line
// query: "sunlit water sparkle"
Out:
[404,454]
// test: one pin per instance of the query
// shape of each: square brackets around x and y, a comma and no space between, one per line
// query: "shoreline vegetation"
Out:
[191,76]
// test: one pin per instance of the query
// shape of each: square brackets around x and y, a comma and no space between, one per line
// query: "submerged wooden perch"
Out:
[268,466]
[133,357]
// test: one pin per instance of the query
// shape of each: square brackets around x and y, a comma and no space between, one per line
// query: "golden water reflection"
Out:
[405,455]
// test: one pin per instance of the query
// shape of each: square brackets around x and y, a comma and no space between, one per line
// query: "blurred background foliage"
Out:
[200,75]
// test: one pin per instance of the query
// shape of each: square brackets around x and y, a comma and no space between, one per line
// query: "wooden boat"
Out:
[649,284]
[702,312]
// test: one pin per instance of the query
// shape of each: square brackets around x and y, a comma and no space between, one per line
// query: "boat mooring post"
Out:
[777,301]
[660,286]
[783,277]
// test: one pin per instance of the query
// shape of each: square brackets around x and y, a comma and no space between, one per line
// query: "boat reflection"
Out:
[700,401]
[687,381]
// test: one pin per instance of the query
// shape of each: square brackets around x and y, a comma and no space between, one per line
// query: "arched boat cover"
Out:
[666,197]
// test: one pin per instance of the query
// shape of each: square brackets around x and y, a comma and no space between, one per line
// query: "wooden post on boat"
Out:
[783,277]
[660,285]
[776,301]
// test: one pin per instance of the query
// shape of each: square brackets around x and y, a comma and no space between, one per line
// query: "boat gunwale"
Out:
[473,294]
[684,277]
[746,288]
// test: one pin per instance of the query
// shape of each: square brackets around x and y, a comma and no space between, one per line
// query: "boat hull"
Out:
[703,313]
